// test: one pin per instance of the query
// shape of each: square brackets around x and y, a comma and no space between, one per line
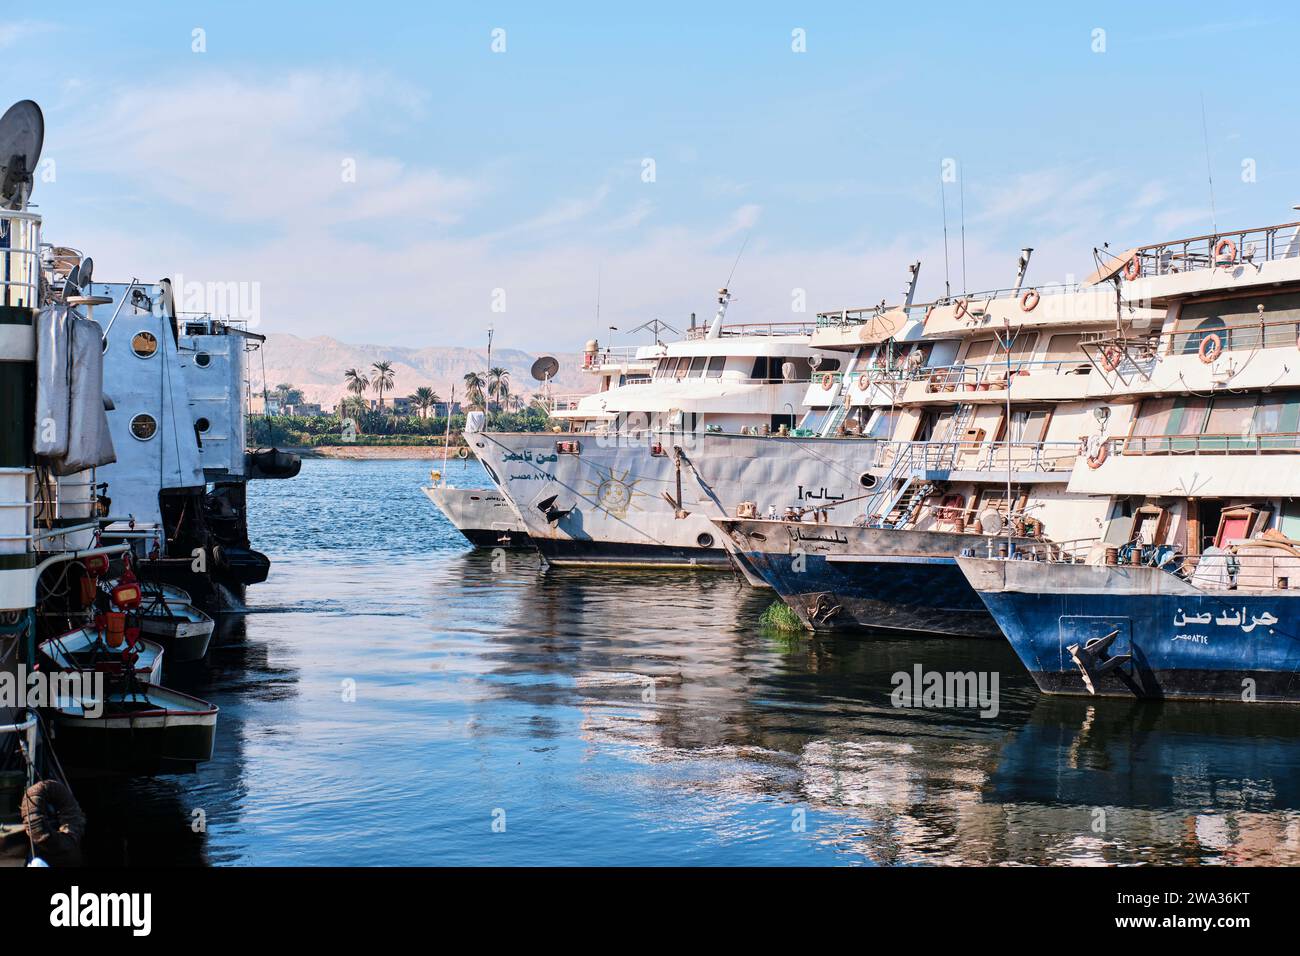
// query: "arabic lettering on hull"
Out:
[1227,618]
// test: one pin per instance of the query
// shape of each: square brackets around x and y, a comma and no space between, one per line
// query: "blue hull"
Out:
[925,595]
[1224,645]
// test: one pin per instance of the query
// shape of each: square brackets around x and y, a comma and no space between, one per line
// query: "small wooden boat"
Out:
[182,629]
[86,650]
[136,728]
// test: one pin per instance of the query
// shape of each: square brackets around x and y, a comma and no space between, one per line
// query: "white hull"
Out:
[613,489]
[483,515]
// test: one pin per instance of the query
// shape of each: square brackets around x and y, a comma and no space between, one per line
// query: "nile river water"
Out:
[394,697]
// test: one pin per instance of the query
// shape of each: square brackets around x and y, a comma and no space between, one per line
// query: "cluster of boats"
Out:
[123,519]
[1101,472]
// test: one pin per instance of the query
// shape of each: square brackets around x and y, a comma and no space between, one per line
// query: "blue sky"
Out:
[523,170]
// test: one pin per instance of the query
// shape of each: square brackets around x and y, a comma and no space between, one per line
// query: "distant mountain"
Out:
[316,366]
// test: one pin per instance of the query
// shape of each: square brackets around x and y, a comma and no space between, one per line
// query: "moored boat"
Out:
[482,515]
[183,630]
[135,728]
[87,649]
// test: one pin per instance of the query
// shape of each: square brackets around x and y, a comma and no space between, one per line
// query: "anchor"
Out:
[1089,659]
[553,514]
[823,609]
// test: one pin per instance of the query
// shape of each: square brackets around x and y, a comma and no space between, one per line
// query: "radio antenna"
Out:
[943,202]
[737,262]
[1205,134]
[961,186]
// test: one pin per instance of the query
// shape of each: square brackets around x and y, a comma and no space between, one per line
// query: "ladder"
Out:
[841,411]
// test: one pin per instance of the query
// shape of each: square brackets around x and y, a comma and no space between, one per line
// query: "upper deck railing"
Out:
[753,328]
[620,355]
[20,259]
[1213,250]
[978,455]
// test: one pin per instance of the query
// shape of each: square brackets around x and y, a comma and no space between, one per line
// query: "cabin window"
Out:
[202,359]
[683,366]
[883,423]
[144,426]
[1223,423]
[1029,425]
[144,344]
[1239,323]
[716,365]
[697,366]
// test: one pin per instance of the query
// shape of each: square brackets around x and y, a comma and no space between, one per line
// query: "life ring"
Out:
[54,822]
[827,381]
[962,307]
[1225,252]
[1096,461]
[863,381]
[1110,358]
[1029,301]
[462,453]
[1211,348]
[1133,268]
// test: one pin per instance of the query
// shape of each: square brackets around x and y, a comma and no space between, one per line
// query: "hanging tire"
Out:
[54,822]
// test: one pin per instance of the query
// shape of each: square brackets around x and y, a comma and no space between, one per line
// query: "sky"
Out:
[413,173]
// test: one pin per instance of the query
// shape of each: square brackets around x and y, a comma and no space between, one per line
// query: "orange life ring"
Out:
[1225,252]
[1211,348]
[1096,461]
[961,309]
[827,380]
[1029,301]
[1110,358]
[1133,268]
[863,381]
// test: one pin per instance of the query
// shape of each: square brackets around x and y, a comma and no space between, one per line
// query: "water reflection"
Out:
[632,717]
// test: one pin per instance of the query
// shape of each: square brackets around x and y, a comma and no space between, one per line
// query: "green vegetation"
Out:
[779,617]
[373,427]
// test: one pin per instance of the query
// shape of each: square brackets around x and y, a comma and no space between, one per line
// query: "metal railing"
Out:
[1209,444]
[993,375]
[972,455]
[20,259]
[1263,244]
[620,355]
[1242,336]
[753,328]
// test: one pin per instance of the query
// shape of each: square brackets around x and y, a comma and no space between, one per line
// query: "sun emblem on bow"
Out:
[614,492]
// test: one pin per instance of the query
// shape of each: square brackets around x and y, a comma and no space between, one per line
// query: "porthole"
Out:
[867,480]
[202,359]
[202,424]
[144,427]
[144,344]
[705,540]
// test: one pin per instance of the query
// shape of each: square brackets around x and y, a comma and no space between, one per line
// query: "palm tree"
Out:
[356,382]
[474,386]
[423,399]
[498,384]
[383,379]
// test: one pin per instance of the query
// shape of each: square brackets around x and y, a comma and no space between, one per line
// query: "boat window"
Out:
[1064,347]
[144,344]
[716,364]
[883,423]
[1029,425]
[682,367]
[1239,323]
[1277,420]
[144,427]
[202,359]
[697,366]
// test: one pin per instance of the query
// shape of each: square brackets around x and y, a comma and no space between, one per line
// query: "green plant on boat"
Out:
[779,617]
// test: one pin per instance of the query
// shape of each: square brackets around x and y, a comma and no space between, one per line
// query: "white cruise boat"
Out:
[645,465]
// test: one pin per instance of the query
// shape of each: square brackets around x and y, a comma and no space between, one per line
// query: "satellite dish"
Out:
[22,133]
[86,274]
[991,522]
[545,368]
